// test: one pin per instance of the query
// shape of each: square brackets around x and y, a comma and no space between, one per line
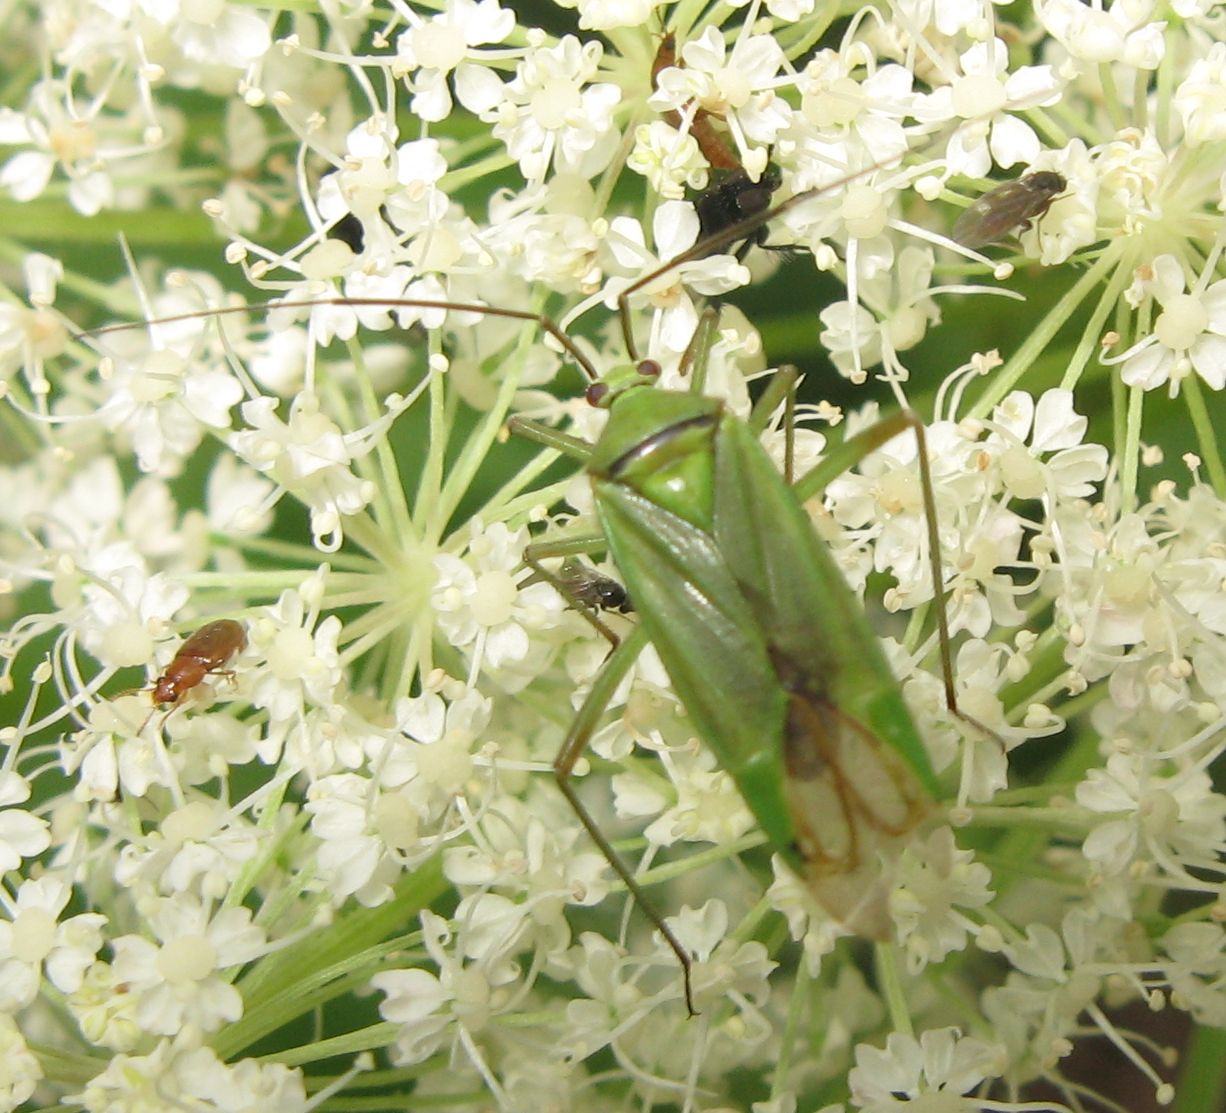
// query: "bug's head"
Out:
[1046,181]
[756,199]
[603,393]
[165,691]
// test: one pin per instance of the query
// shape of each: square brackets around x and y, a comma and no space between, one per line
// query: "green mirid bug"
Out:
[748,610]
[764,642]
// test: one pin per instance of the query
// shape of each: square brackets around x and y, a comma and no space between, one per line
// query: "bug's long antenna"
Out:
[546,324]
[742,229]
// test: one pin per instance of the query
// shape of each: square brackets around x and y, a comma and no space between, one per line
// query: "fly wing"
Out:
[992,217]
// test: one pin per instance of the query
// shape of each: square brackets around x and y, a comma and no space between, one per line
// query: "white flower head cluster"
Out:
[310,601]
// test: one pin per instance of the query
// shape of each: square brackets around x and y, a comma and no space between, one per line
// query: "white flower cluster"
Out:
[304,519]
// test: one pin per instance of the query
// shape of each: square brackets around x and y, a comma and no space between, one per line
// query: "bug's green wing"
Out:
[814,624]
[857,777]
[708,640]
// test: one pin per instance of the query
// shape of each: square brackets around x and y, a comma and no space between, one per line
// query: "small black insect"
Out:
[734,198]
[1014,205]
[587,586]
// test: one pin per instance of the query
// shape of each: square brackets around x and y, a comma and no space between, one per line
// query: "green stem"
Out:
[890,980]
[1194,399]
[1037,342]
[1202,1080]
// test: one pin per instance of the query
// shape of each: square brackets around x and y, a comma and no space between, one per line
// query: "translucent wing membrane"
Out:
[852,801]
[1008,208]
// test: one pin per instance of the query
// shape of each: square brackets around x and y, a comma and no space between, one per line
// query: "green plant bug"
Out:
[766,646]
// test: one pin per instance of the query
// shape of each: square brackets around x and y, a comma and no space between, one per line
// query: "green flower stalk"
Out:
[314,857]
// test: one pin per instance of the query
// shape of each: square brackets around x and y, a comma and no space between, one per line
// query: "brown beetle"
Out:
[204,653]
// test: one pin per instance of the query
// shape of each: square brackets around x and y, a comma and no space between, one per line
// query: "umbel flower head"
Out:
[283,697]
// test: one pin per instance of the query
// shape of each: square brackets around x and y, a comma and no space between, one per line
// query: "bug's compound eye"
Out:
[597,394]
[649,369]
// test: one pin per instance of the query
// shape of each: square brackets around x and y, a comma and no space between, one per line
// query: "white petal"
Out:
[1056,424]
[1013,141]
[1208,356]
[26,174]
[477,88]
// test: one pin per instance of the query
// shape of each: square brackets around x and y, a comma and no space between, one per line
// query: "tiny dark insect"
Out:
[205,652]
[587,586]
[1013,205]
[732,197]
